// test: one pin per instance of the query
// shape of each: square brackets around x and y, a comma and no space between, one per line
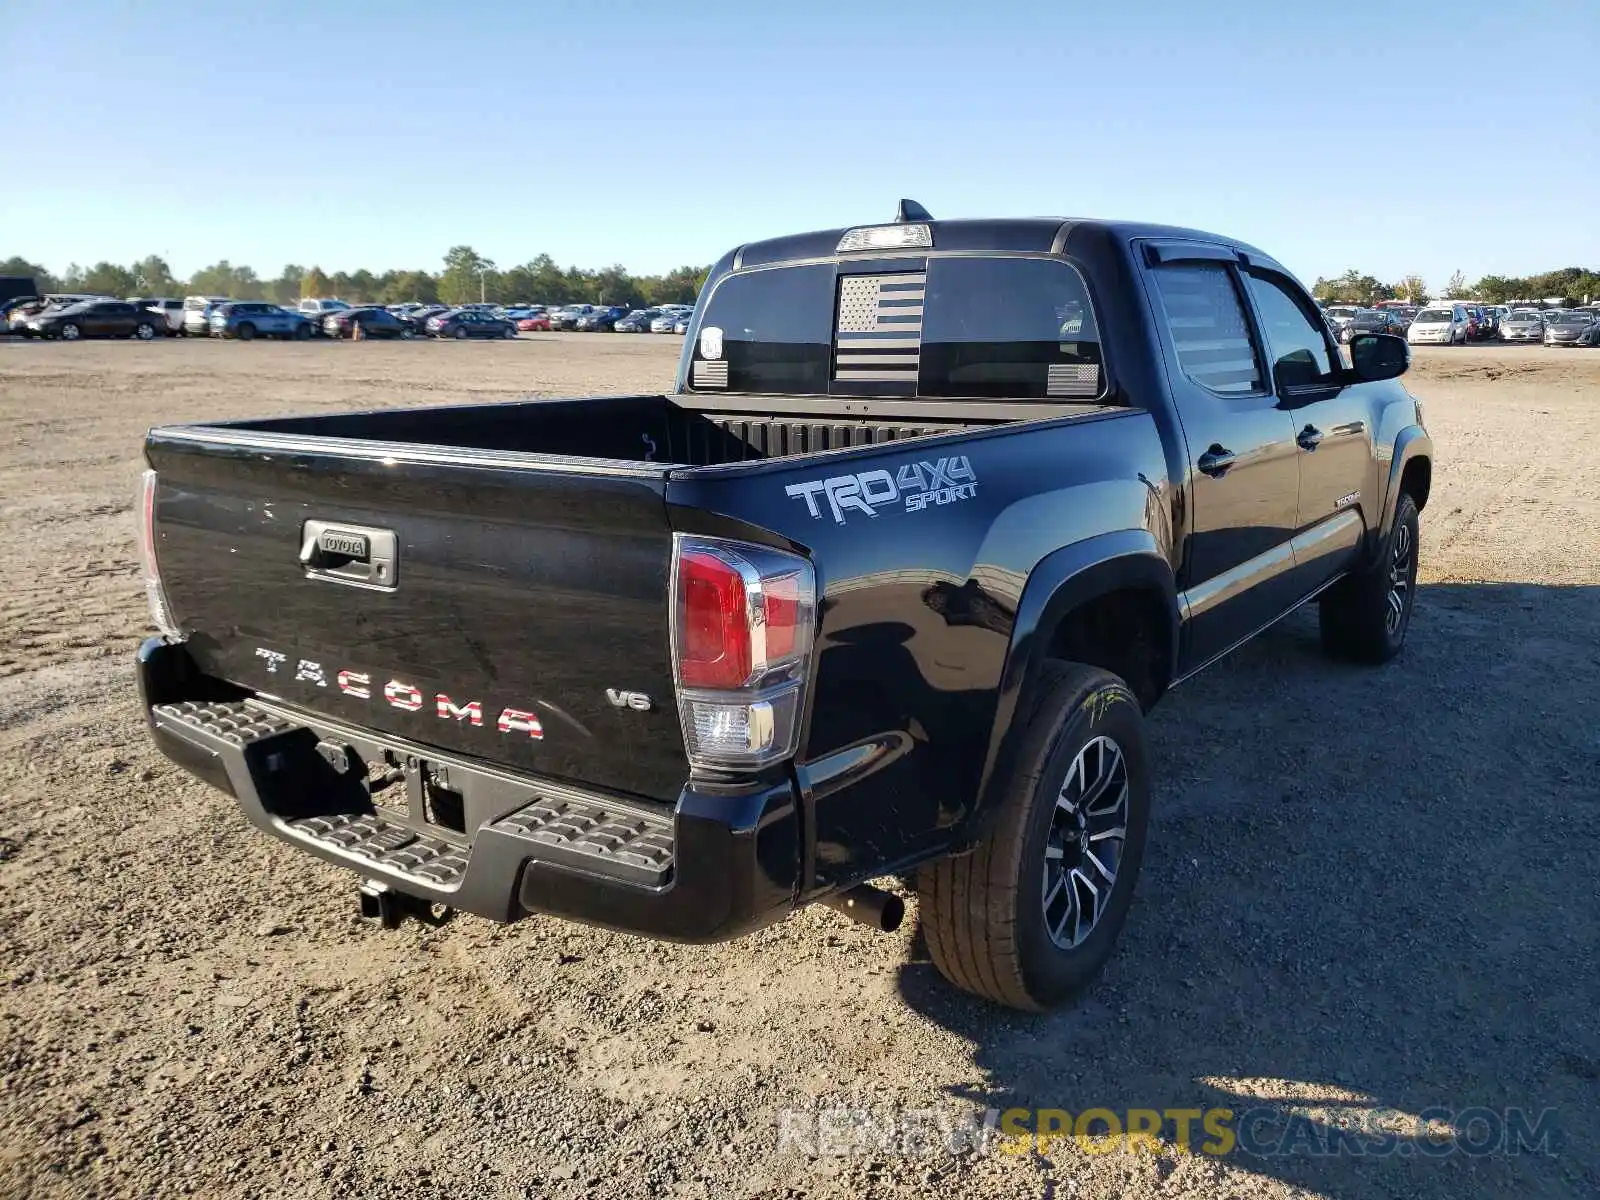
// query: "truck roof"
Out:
[1001,235]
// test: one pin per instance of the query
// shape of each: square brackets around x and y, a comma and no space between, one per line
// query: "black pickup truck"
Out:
[934,513]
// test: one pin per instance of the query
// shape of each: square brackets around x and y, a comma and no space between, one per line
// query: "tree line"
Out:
[1575,285]
[466,277]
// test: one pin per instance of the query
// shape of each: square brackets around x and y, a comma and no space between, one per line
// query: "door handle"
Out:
[1309,438]
[1215,461]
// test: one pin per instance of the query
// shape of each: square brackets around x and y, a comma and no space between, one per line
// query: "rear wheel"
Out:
[246,331]
[1030,917]
[1364,617]
[144,331]
[461,331]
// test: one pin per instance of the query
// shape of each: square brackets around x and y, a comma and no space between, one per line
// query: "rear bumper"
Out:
[711,868]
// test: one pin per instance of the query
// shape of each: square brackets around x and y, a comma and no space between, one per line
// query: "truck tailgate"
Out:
[512,612]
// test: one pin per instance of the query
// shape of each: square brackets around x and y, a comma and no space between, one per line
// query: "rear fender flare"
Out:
[1061,582]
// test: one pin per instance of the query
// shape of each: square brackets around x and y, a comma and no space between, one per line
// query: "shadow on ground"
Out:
[1365,890]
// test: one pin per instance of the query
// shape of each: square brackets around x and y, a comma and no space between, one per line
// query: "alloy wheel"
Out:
[1084,847]
[1399,580]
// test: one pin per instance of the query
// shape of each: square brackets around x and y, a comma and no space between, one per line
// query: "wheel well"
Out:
[1417,479]
[1126,632]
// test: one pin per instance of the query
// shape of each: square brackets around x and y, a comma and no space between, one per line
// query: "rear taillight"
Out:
[156,595]
[743,617]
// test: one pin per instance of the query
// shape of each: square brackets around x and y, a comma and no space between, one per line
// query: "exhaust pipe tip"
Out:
[874,907]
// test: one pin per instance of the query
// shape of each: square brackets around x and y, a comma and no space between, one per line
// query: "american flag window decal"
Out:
[878,332]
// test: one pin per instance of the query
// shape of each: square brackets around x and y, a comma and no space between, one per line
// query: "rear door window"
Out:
[1206,319]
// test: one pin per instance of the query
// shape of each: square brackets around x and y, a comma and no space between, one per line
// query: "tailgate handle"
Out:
[356,555]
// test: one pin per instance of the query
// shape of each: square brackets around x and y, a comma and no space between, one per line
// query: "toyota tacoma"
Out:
[933,515]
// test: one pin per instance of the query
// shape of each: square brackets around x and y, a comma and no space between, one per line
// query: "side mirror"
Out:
[1377,356]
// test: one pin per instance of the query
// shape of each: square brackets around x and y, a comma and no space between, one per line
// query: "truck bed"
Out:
[659,429]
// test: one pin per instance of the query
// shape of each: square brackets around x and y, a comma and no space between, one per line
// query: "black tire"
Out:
[1364,617]
[245,332]
[462,332]
[144,331]
[302,332]
[984,913]
[70,331]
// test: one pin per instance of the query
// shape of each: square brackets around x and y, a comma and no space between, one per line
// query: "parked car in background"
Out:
[95,318]
[601,320]
[470,323]
[23,308]
[374,322]
[568,315]
[1486,324]
[1340,315]
[17,309]
[247,319]
[196,314]
[1439,326]
[534,322]
[169,308]
[1371,320]
[1570,327]
[637,321]
[417,316]
[314,309]
[1523,325]
[665,322]
[681,325]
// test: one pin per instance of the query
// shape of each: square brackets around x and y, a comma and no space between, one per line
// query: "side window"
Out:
[1297,347]
[1205,316]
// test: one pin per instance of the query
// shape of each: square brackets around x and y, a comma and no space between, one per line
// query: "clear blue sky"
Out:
[354,134]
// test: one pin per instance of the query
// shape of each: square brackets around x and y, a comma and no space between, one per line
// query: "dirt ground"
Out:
[1364,889]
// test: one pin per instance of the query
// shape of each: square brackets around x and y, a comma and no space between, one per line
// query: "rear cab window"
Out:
[956,327]
[1205,317]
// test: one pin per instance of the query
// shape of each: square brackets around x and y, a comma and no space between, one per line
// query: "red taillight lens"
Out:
[780,604]
[713,626]
[743,617]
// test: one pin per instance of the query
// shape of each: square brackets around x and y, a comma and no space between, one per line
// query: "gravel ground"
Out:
[1365,888]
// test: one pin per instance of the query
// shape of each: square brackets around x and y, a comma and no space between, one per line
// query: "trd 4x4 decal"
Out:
[914,487]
